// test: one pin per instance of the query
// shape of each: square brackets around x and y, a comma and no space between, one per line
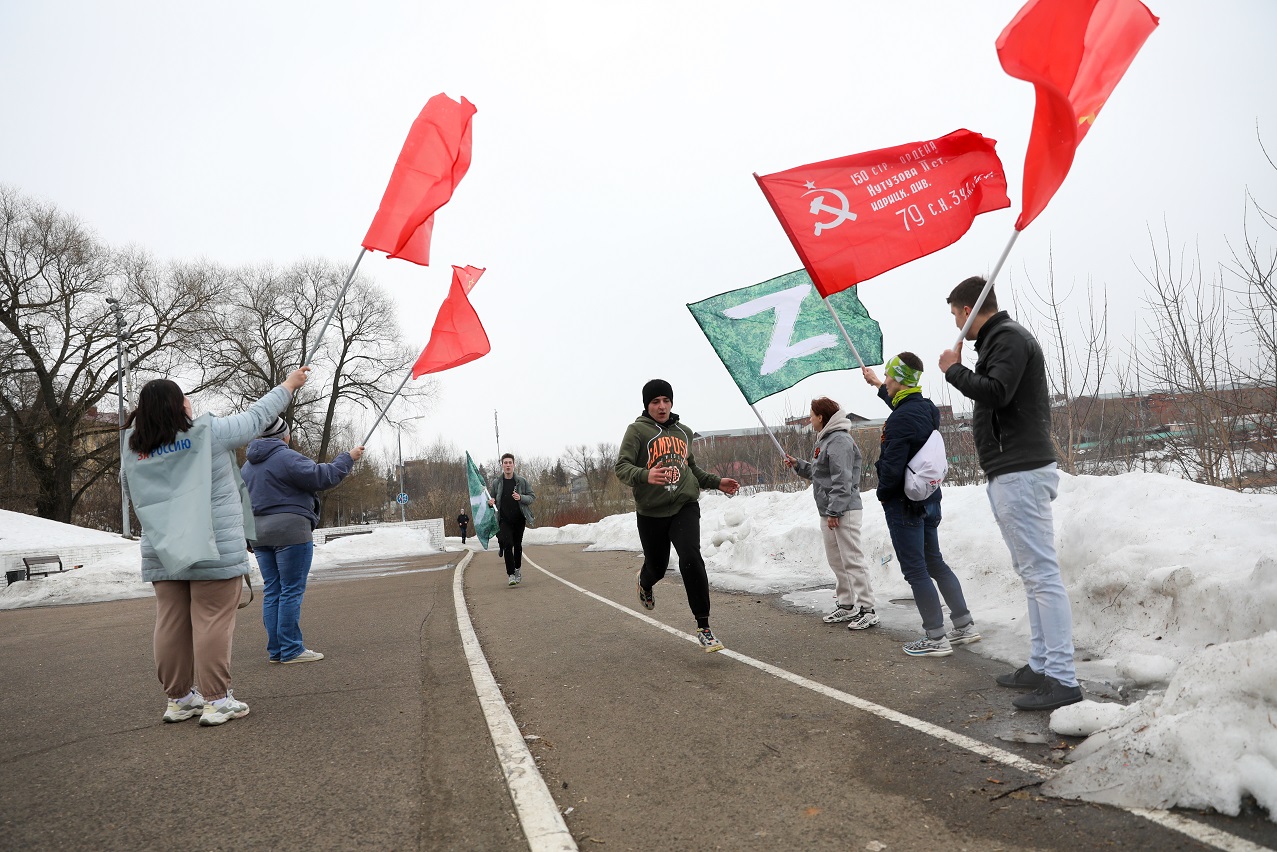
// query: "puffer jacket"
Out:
[835,468]
[283,481]
[228,434]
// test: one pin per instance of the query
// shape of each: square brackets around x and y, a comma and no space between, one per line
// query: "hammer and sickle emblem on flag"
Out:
[818,206]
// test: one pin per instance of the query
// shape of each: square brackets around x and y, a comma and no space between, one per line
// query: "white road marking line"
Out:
[1198,831]
[539,815]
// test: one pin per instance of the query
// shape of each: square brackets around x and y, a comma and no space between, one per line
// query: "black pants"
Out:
[463,535]
[510,537]
[683,531]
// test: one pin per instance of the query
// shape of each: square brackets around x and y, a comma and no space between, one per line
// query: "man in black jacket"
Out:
[1011,420]
[913,525]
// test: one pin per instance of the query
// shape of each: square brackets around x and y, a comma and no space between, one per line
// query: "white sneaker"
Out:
[840,614]
[223,710]
[307,656]
[706,637]
[866,617]
[181,709]
[963,635]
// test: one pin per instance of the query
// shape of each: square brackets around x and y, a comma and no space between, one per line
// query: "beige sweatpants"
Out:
[194,625]
[851,571]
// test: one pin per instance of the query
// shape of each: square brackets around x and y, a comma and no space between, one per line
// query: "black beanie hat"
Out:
[655,388]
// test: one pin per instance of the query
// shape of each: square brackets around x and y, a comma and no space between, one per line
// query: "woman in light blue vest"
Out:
[185,487]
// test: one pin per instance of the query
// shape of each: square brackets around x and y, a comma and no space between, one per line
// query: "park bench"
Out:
[35,565]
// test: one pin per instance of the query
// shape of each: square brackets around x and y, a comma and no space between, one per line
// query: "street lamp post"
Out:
[403,512]
[119,376]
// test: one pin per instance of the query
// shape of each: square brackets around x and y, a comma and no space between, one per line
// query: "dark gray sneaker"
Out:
[1049,696]
[1022,678]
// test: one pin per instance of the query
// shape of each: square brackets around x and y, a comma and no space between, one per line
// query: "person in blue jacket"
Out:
[282,484]
[181,478]
[913,524]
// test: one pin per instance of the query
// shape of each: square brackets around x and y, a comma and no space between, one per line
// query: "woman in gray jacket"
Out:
[184,484]
[834,471]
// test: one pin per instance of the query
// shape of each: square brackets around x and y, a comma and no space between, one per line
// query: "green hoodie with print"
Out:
[648,444]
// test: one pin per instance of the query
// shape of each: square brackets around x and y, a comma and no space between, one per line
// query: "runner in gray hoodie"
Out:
[834,471]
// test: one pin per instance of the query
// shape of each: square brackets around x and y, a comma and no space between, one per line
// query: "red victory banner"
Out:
[856,217]
[457,337]
[1074,52]
[433,161]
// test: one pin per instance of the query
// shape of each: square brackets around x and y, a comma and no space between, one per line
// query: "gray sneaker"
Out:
[963,635]
[926,647]
[180,709]
[306,656]
[841,614]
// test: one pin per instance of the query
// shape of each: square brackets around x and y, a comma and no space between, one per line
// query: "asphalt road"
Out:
[650,742]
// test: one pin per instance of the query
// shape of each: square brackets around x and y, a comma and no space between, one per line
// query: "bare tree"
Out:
[58,349]
[275,314]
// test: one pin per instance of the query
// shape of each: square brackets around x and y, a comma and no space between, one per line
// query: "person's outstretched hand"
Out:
[949,357]
[357,453]
[296,379]
[871,377]
[729,486]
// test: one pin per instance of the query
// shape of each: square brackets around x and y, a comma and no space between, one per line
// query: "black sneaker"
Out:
[1050,695]
[1022,678]
[645,595]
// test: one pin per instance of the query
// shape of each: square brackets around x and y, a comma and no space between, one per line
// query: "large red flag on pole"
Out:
[856,217]
[434,158]
[457,337]
[1074,52]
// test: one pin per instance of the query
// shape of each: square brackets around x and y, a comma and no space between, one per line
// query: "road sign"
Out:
[401,499]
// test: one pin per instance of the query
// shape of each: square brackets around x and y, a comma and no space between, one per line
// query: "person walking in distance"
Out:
[1011,420]
[284,487]
[913,524]
[183,482]
[656,461]
[834,471]
[512,497]
[463,521]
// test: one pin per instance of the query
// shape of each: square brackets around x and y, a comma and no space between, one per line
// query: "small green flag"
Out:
[485,517]
[773,335]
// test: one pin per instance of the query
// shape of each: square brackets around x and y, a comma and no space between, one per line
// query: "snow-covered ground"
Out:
[1174,589]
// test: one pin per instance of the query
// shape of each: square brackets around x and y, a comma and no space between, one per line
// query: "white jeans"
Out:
[851,572]
[1021,504]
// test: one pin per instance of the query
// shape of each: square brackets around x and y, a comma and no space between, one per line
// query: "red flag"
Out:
[1073,52]
[457,337]
[433,161]
[856,217]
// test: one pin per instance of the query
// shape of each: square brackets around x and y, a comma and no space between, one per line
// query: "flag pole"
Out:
[985,292]
[382,414]
[306,356]
[768,430]
[845,335]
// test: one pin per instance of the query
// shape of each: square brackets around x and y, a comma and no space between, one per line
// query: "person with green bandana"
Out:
[913,524]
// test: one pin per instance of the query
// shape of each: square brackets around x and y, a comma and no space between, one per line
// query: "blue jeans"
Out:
[284,571]
[917,547]
[1021,504]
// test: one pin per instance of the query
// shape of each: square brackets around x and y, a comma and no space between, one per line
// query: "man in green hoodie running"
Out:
[656,461]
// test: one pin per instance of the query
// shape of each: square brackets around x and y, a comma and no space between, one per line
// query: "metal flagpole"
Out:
[382,413]
[497,428]
[306,356]
[845,335]
[768,429]
[985,292]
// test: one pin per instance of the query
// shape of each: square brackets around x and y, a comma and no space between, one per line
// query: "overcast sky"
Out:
[611,181]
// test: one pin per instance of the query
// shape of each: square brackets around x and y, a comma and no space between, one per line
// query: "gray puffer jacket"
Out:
[229,433]
[834,470]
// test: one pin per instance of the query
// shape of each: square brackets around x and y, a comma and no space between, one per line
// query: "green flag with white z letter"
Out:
[485,517]
[773,335]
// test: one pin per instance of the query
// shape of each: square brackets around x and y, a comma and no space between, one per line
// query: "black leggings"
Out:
[683,530]
[510,537]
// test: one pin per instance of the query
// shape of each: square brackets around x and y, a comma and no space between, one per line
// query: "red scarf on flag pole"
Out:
[457,337]
[433,161]
[856,217]
[1074,52]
